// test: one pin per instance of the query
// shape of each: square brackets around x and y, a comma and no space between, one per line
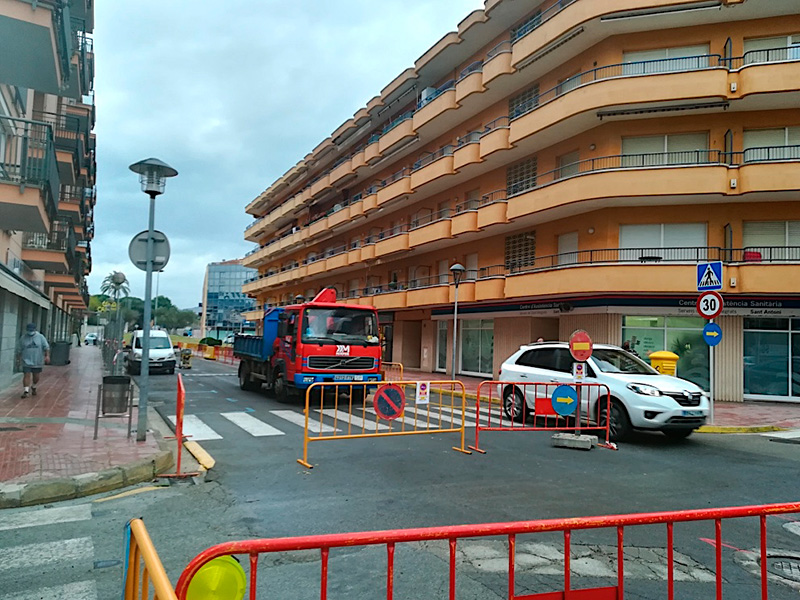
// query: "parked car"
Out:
[90,339]
[641,397]
[229,339]
[162,354]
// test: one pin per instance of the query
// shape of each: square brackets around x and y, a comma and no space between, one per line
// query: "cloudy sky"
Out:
[232,94]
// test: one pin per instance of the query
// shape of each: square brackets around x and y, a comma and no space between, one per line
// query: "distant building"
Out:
[223,300]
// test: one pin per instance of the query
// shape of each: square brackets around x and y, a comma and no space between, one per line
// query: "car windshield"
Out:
[340,326]
[156,343]
[619,361]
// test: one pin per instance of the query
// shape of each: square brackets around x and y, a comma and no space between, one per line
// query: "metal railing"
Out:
[18,266]
[473,137]
[503,47]
[142,568]
[395,122]
[495,196]
[475,67]
[467,205]
[498,123]
[432,157]
[768,55]
[394,177]
[61,238]
[432,217]
[449,85]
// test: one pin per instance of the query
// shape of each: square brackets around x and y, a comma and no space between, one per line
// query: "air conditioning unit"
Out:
[426,95]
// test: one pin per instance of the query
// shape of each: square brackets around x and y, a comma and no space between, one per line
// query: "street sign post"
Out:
[709,305]
[709,276]
[389,401]
[580,345]
[712,334]
[564,400]
[137,250]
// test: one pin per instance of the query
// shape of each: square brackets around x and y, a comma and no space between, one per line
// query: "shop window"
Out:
[771,357]
[477,346]
[441,345]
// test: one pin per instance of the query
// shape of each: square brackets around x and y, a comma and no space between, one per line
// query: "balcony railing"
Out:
[753,57]
[433,157]
[475,67]
[450,85]
[61,238]
[30,158]
[433,217]
[396,121]
[538,19]
[17,266]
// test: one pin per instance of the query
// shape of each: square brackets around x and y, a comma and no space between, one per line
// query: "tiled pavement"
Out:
[50,435]
[727,415]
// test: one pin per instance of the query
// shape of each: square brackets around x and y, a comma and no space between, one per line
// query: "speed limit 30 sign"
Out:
[709,305]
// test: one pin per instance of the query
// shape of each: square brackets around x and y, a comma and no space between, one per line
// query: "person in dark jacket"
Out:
[33,352]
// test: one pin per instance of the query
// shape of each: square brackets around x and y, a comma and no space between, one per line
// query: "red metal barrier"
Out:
[499,401]
[324,543]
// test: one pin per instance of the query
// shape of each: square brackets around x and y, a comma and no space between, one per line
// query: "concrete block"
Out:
[164,461]
[101,481]
[571,440]
[52,490]
[136,472]
[10,494]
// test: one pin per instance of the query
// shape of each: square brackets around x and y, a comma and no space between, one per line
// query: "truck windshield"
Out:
[340,326]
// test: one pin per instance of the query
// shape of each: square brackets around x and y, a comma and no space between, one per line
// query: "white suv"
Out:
[641,397]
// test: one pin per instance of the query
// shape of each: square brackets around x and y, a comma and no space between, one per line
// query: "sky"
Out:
[231,94]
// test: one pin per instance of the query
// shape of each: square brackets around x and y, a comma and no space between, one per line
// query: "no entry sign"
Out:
[580,345]
[389,402]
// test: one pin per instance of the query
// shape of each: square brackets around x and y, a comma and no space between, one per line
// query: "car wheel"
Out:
[171,371]
[620,425]
[514,404]
[678,434]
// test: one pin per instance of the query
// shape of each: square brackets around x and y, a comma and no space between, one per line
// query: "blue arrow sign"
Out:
[564,400]
[709,276]
[712,334]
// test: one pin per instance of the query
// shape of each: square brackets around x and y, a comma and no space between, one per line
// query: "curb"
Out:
[739,429]
[203,458]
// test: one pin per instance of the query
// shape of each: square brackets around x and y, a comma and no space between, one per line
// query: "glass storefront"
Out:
[441,345]
[772,357]
[681,335]
[477,346]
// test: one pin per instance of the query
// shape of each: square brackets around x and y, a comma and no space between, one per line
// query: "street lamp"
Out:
[458,273]
[153,175]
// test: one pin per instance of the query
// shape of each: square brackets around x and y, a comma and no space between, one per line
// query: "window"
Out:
[772,357]
[550,359]
[520,250]
[568,248]
[665,60]
[771,240]
[568,165]
[477,346]
[523,102]
[444,272]
[771,144]
[521,177]
[663,241]
[655,150]
[441,345]
[759,50]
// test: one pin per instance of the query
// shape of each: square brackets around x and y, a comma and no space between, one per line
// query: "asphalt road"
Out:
[257,489]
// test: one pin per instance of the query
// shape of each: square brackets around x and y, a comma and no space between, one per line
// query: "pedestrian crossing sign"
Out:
[709,276]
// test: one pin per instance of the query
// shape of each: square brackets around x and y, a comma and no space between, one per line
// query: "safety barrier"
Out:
[438,407]
[143,574]
[505,406]
[224,354]
[392,371]
[569,527]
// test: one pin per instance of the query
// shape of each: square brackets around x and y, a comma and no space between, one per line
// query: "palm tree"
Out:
[115,285]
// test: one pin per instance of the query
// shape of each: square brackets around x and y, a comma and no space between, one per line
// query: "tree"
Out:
[115,285]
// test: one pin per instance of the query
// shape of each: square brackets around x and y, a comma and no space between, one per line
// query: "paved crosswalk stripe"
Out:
[250,424]
[786,435]
[419,424]
[447,421]
[298,419]
[343,418]
[47,516]
[82,590]
[38,555]
[196,429]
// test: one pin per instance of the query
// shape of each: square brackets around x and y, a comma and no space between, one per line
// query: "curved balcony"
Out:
[337,260]
[491,283]
[493,209]
[552,23]
[354,256]
[396,242]
[470,82]
[399,130]
[368,251]
[465,219]
[427,291]
[356,208]
[438,102]
[497,63]
[339,217]
[430,228]
[317,227]
[372,151]
[341,171]
[432,167]
[370,199]
[390,300]
[320,185]
[394,187]
[467,151]
[316,267]
[496,137]
[358,160]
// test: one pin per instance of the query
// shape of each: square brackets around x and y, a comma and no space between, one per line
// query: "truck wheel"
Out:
[281,389]
[245,383]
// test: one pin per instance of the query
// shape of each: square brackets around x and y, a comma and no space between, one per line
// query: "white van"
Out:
[162,355]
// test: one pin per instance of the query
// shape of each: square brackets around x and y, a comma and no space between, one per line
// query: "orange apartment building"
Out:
[579,157]
[47,168]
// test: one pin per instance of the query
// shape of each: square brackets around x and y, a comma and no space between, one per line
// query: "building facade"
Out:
[47,168]
[579,158]
[224,303]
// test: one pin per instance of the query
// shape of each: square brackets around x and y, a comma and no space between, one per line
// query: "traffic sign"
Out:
[564,400]
[580,345]
[423,392]
[709,276]
[389,401]
[712,334]
[137,250]
[709,305]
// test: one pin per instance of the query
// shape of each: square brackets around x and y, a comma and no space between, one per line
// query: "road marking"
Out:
[343,419]
[231,399]
[47,553]
[785,435]
[196,429]
[792,527]
[298,419]
[140,490]
[443,420]
[251,425]
[47,516]
[418,425]
[82,590]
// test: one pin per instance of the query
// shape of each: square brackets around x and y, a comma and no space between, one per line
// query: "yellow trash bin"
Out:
[664,361]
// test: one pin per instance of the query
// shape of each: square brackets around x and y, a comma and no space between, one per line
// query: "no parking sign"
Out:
[389,402]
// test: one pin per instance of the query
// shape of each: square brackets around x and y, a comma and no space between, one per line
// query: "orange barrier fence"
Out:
[615,527]
[532,406]
[396,408]
[143,575]
[392,371]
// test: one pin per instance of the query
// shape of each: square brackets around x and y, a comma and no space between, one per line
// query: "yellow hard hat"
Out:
[221,578]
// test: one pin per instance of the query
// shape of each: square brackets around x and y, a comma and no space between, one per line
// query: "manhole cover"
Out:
[787,567]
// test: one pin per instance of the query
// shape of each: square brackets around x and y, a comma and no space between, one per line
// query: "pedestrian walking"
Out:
[32,354]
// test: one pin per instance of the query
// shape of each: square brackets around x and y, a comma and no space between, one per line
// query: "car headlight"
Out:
[171,356]
[644,389]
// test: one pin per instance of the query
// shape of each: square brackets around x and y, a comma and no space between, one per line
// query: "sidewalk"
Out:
[729,417]
[46,448]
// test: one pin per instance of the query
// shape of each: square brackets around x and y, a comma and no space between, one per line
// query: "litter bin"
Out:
[59,353]
[664,362]
[115,394]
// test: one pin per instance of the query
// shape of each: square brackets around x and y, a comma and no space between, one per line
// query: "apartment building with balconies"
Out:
[579,158]
[47,168]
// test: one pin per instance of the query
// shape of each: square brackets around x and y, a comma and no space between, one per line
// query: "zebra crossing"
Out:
[35,571]
[209,426]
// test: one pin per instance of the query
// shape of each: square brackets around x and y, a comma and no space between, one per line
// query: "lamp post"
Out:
[153,175]
[458,273]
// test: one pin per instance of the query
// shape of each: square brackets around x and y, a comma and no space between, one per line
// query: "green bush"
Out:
[209,341]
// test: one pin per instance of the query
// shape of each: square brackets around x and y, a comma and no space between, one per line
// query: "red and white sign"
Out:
[580,345]
[709,305]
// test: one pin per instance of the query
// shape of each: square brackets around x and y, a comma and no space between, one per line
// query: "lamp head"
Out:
[458,271]
[153,175]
